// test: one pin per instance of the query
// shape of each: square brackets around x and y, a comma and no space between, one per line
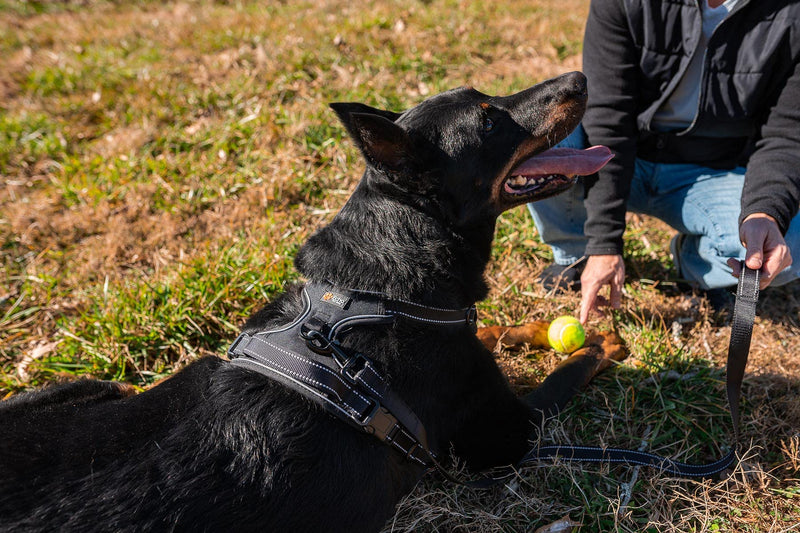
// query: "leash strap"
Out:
[744,314]
[741,331]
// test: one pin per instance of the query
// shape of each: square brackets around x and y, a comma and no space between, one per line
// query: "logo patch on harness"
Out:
[336,299]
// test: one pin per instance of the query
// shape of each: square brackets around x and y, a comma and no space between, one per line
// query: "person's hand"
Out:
[766,249]
[601,270]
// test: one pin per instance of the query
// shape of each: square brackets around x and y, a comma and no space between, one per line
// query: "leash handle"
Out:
[744,313]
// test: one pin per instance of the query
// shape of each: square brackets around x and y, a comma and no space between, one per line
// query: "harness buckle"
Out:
[315,337]
[232,350]
[353,366]
[472,319]
[380,423]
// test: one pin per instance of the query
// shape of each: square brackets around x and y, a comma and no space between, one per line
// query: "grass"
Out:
[161,163]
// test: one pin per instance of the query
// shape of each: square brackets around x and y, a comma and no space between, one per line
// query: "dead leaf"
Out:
[38,351]
[563,525]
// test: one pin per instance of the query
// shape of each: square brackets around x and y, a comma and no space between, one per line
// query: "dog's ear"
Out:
[383,143]
[345,109]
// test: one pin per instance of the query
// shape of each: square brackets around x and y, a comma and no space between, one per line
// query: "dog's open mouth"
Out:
[553,171]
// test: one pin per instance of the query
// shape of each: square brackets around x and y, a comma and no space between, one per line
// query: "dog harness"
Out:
[307,356]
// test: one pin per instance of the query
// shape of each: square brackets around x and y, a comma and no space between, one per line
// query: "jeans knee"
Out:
[789,274]
[727,246]
[576,139]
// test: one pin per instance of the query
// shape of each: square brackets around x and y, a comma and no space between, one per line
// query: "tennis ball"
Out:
[566,334]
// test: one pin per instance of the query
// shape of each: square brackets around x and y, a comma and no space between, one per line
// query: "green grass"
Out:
[191,312]
[161,163]
[28,138]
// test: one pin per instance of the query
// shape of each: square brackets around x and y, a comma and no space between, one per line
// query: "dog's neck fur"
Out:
[420,259]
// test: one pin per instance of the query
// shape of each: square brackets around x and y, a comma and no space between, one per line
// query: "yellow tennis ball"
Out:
[566,334]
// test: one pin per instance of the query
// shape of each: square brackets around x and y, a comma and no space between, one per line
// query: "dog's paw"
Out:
[533,333]
[610,345]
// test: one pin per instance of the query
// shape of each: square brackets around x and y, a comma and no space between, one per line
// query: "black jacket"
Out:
[749,110]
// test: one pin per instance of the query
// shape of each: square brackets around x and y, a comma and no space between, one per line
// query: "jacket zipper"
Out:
[678,77]
[704,71]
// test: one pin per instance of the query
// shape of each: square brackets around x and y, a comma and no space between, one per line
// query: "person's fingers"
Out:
[615,294]
[600,302]
[588,299]
[601,270]
[735,265]
[754,258]
[775,261]
[753,233]
[773,265]
[766,249]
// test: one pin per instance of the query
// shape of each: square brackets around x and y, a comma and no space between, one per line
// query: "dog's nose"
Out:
[565,95]
[569,86]
[574,83]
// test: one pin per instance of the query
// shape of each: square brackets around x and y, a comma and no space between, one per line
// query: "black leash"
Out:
[741,331]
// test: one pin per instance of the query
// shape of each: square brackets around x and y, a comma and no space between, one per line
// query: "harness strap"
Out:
[315,377]
[340,310]
[433,315]
[332,390]
[363,373]
[306,356]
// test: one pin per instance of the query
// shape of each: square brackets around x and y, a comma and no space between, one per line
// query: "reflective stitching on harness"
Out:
[297,374]
[367,385]
[303,315]
[301,384]
[424,306]
[314,364]
[397,445]
[369,367]
[409,453]
[431,320]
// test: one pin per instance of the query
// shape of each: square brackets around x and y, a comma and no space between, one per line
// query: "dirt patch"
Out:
[123,140]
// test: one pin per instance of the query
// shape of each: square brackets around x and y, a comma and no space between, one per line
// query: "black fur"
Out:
[219,448]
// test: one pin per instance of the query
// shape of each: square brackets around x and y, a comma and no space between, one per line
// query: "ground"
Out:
[161,162]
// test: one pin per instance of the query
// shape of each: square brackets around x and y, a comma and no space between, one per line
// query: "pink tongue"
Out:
[565,161]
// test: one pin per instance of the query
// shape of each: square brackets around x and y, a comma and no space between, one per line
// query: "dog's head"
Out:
[473,156]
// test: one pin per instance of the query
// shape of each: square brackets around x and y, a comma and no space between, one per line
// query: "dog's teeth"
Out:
[526,182]
[518,181]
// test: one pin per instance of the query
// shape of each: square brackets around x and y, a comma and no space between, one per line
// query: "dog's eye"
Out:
[488,124]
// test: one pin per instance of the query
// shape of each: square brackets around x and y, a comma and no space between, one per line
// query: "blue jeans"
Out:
[699,202]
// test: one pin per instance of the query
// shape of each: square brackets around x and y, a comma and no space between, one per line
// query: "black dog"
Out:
[221,447]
